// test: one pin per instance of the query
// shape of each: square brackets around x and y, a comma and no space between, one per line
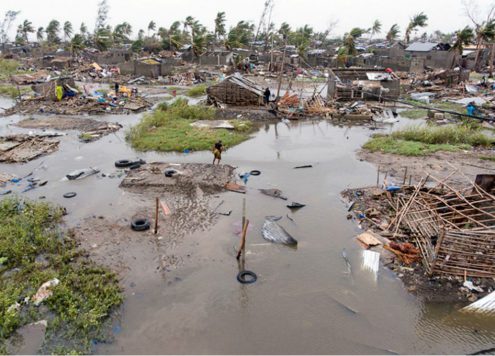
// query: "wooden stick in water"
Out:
[156,214]
[243,240]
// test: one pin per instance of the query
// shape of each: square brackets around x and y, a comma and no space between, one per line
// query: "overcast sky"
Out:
[444,15]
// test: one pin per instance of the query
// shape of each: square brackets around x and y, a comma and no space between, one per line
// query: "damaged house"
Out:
[362,83]
[236,90]
[430,54]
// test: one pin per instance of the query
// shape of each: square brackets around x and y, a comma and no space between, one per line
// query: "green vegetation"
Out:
[488,158]
[424,140]
[169,129]
[33,250]
[12,91]
[8,67]
[414,113]
[198,90]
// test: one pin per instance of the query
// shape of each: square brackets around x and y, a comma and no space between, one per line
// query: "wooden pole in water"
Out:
[243,239]
[156,214]
[378,176]
[410,180]
[405,176]
[243,212]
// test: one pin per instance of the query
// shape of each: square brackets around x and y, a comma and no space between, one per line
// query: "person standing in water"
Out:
[217,151]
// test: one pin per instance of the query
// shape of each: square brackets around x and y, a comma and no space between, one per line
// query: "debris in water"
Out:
[273,232]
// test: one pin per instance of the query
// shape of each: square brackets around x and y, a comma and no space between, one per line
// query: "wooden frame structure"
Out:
[454,229]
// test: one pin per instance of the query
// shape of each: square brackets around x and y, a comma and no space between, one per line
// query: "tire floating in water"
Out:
[140,224]
[123,163]
[241,277]
[255,172]
[70,195]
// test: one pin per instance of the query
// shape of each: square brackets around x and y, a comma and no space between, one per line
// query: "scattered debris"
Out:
[276,193]
[24,148]
[45,291]
[485,305]
[273,232]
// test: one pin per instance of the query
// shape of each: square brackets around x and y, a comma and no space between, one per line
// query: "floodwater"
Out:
[303,301]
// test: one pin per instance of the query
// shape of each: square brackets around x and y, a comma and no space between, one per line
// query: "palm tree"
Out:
[140,34]
[26,28]
[376,28]
[83,29]
[52,31]
[393,33]
[418,20]
[220,25]
[67,30]
[77,44]
[122,32]
[40,34]
[285,32]
[463,37]
[151,27]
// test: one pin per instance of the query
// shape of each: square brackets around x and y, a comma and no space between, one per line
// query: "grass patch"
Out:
[8,67]
[424,140]
[12,91]
[34,250]
[198,90]
[414,113]
[488,158]
[168,129]
[388,144]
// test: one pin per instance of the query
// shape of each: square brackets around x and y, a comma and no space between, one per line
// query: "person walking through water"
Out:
[217,151]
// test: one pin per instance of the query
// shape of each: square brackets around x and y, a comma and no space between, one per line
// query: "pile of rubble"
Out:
[450,231]
[24,148]
[78,106]
[294,107]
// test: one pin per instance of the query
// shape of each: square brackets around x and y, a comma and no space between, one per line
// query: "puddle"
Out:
[304,301]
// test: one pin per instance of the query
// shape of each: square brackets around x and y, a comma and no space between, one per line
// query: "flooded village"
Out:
[247,187]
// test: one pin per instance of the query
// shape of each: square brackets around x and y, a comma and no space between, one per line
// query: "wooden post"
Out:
[243,212]
[410,180]
[405,176]
[156,214]
[243,240]
[378,176]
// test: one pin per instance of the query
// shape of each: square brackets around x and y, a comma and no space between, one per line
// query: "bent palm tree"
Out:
[418,20]
[393,33]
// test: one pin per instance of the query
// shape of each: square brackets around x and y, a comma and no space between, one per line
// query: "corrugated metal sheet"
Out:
[421,46]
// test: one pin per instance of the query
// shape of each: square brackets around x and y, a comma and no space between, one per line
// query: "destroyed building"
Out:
[431,54]
[236,90]
[362,83]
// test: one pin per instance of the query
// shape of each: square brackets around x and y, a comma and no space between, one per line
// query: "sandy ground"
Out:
[68,123]
[441,164]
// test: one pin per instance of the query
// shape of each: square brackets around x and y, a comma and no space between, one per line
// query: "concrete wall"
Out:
[435,59]
[112,58]
[127,68]
[148,70]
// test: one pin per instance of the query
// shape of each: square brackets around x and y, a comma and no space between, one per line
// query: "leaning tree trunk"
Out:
[492,55]
[477,58]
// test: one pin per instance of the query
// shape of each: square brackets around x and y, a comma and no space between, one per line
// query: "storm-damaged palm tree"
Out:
[220,26]
[151,27]
[121,32]
[40,34]
[463,38]
[77,44]
[349,47]
[375,29]
[393,33]
[52,31]
[418,20]
[26,29]
[67,30]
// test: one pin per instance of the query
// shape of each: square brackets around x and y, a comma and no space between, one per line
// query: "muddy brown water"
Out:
[303,301]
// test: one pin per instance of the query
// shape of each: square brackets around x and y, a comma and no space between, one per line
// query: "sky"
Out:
[444,15]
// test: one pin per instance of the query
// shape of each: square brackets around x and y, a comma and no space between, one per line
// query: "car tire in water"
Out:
[123,163]
[241,277]
[140,224]
[70,195]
